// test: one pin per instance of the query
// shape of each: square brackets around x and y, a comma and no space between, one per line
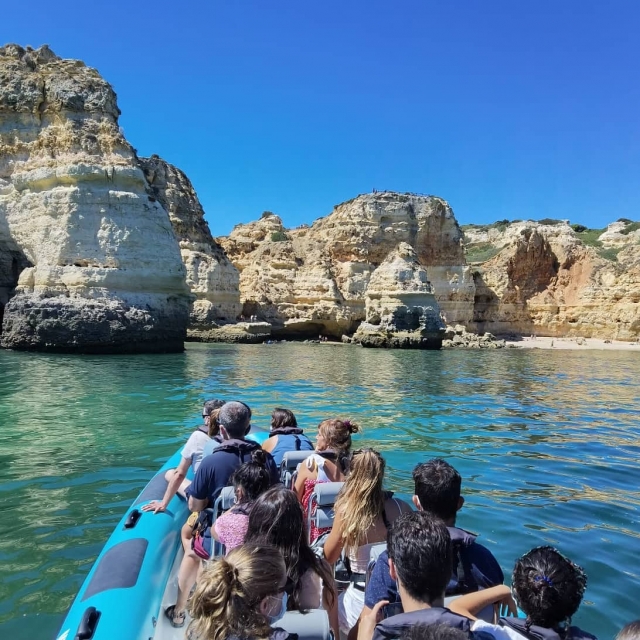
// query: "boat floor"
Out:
[164,629]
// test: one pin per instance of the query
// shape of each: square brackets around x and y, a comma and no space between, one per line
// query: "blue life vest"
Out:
[289,439]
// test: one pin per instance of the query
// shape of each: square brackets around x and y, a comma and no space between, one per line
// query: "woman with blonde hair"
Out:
[329,463]
[240,596]
[363,513]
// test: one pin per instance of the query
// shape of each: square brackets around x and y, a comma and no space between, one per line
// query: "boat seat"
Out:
[289,464]
[223,503]
[320,504]
[313,625]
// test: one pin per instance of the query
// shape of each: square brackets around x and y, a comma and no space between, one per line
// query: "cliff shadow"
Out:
[12,263]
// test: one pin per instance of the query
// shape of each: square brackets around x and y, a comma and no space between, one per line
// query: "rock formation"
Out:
[401,309]
[210,275]
[313,280]
[520,278]
[88,261]
[548,279]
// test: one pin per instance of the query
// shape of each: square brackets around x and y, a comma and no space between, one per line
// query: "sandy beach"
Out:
[574,343]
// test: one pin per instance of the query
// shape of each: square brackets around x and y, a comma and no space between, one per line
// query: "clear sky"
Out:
[505,108]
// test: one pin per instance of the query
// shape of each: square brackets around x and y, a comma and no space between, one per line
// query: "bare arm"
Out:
[270,444]
[304,473]
[368,621]
[197,505]
[333,545]
[332,610]
[174,484]
[471,604]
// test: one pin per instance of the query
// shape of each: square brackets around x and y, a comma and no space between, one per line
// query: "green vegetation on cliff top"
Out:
[483,251]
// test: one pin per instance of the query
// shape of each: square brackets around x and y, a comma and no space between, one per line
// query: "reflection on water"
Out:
[547,443]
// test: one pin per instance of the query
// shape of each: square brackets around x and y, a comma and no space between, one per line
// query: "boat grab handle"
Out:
[88,624]
[132,519]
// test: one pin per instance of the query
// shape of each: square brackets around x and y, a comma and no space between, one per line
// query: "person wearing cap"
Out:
[192,455]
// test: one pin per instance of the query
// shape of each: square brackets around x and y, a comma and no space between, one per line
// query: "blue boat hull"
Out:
[122,595]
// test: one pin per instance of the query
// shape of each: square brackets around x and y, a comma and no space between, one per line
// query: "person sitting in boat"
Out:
[241,596]
[276,518]
[328,464]
[437,489]
[364,512]
[547,587]
[285,435]
[630,631]
[420,557]
[192,455]
[249,480]
[213,474]
[216,469]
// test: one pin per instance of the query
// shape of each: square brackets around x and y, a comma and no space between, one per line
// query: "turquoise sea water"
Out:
[547,442]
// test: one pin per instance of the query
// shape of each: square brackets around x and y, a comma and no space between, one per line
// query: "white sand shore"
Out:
[574,343]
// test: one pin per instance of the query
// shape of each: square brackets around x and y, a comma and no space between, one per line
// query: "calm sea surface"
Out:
[548,444]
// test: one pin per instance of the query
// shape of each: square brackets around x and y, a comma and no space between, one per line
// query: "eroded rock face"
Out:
[545,280]
[314,279]
[401,308]
[210,275]
[92,260]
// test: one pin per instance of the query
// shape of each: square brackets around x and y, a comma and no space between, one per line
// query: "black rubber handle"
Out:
[88,624]
[132,519]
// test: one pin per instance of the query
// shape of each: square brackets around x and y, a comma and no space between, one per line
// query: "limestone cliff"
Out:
[210,274]
[401,309]
[88,261]
[314,279]
[550,279]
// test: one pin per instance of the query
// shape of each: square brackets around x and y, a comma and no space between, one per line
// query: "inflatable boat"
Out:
[135,577]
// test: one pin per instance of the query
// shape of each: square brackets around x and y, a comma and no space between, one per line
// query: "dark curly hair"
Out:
[548,587]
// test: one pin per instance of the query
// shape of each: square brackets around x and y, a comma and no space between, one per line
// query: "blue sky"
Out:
[506,108]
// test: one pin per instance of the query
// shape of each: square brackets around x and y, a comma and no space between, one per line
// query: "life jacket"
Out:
[286,431]
[463,580]
[240,447]
[542,633]
[289,439]
[395,626]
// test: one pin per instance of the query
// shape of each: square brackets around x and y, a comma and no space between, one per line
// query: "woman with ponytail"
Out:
[363,513]
[546,586]
[240,596]
[329,463]
[249,481]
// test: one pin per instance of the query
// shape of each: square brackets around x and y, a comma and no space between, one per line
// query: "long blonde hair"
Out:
[229,591]
[361,500]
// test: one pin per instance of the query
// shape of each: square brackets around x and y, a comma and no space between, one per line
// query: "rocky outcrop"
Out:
[548,279]
[88,261]
[401,309]
[313,280]
[211,277]
[526,277]
[459,338]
